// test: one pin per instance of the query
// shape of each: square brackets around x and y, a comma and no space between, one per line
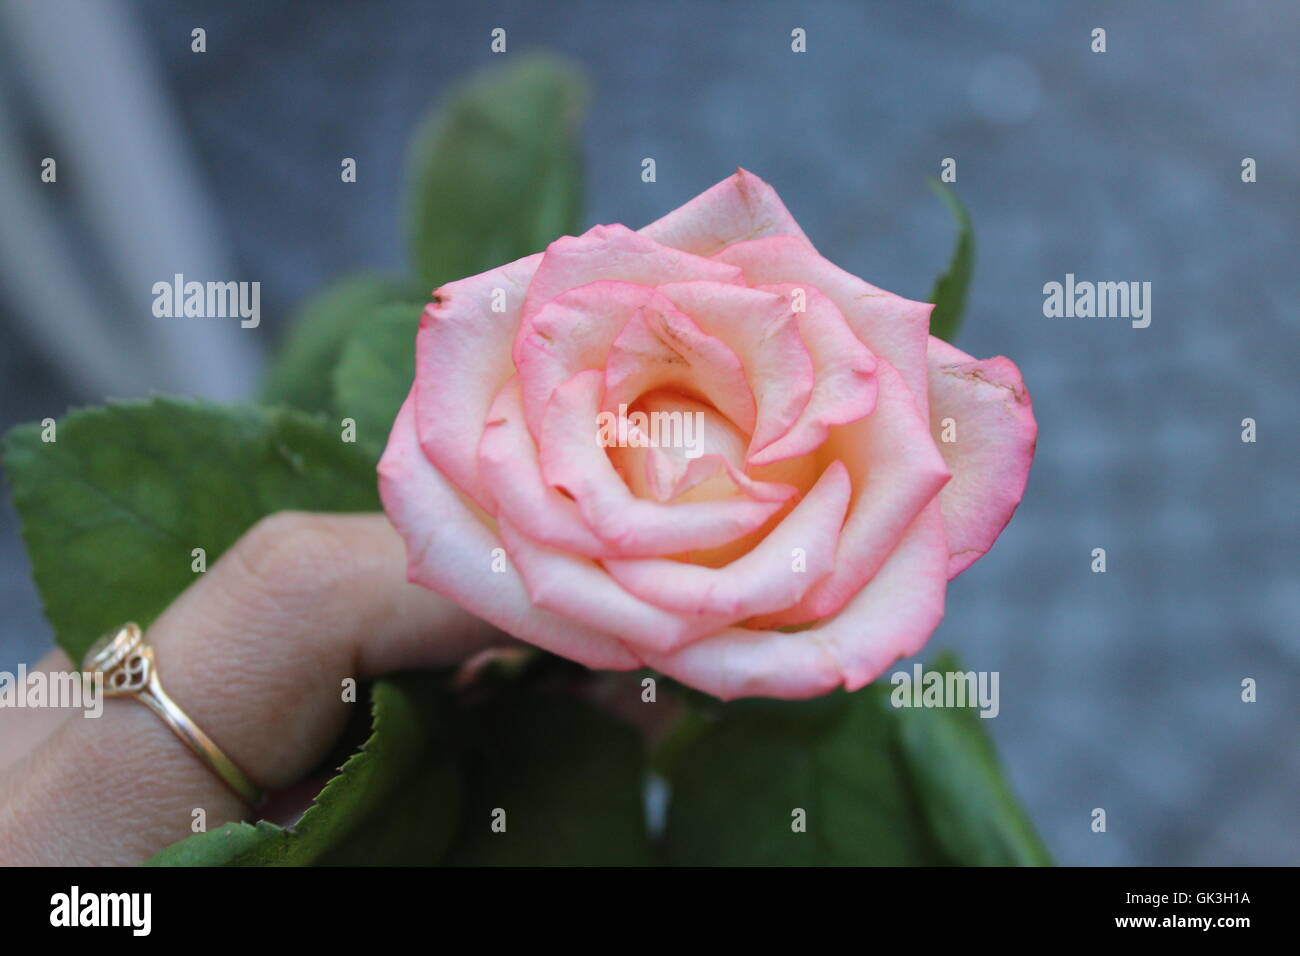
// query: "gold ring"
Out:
[127,662]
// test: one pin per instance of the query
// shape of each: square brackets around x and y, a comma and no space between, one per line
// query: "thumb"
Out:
[258,649]
[256,652]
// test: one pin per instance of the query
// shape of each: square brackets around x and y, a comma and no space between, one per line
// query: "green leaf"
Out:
[231,844]
[737,787]
[949,292]
[395,802]
[568,776]
[494,172]
[113,509]
[301,374]
[969,804]
[375,372]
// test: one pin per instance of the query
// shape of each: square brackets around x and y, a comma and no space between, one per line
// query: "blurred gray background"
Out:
[1119,690]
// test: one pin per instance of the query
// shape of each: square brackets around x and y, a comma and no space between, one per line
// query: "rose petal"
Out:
[462,358]
[612,253]
[573,462]
[896,471]
[738,208]
[706,478]
[894,328]
[760,328]
[572,332]
[582,591]
[898,610]
[664,348]
[993,423]
[892,617]
[764,580]
[738,662]
[450,551]
[656,462]
[510,469]
[844,384]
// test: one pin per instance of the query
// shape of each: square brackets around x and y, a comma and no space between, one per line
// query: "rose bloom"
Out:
[848,466]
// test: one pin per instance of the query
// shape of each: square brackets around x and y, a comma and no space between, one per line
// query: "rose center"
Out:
[666,442]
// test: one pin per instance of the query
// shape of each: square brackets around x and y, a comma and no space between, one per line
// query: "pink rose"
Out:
[802,540]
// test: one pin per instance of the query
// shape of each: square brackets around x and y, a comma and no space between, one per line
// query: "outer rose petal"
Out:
[995,430]
[573,461]
[896,471]
[764,579]
[739,662]
[893,616]
[449,551]
[580,590]
[462,358]
[894,328]
[613,252]
[738,208]
[898,610]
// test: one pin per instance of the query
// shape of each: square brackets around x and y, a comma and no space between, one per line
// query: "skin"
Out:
[255,651]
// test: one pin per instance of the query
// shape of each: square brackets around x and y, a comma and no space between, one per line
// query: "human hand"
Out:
[256,652]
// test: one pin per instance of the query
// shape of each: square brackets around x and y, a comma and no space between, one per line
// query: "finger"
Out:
[23,729]
[300,604]
[256,653]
